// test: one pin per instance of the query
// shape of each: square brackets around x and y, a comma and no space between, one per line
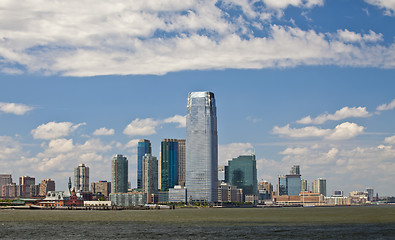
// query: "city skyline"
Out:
[306,83]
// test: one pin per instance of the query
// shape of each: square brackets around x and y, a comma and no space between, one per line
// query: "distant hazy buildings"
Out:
[4,180]
[46,185]
[304,185]
[27,186]
[143,147]
[201,147]
[119,174]
[81,178]
[319,186]
[242,173]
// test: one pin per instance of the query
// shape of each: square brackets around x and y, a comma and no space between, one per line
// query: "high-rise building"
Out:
[241,172]
[169,164]
[295,170]
[201,147]
[181,162]
[27,186]
[119,174]
[143,147]
[4,180]
[304,185]
[319,186]
[221,174]
[290,184]
[370,192]
[46,185]
[81,178]
[150,176]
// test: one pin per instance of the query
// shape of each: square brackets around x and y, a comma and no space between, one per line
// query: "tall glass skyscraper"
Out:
[143,147]
[241,172]
[169,164]
[202,147]
[119,174]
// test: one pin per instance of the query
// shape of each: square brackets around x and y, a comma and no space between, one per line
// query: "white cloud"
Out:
[294,151]
[345,131]
[60,145]
[52,130]
[390,140]
[387,5]
[132,144]
[181,120]
[233,150]
[348,36]
[141,127]
[86,38]
[342,131]
[286,131]
[14,108]
[385,107]
[341,114]
[103,132]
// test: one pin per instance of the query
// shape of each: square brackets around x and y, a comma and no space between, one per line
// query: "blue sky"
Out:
[308,82]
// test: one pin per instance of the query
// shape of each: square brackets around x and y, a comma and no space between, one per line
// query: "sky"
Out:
[306,82]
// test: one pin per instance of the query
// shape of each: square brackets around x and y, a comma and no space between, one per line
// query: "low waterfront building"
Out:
[61,199]
[229,193]
[308,198]
[178,194]
[129,199]
[97,203]
[338,200]
[163,196]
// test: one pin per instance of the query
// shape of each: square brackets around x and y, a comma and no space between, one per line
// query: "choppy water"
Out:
[317,223]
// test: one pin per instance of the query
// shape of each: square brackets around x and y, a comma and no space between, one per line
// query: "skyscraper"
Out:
[4,180]
[201,147]
[241,172]
[45,186]
[27,186]
[119,174]
[81,178]
[290,184]
[150,176]
[181,162]
[143,147]
[319,186]
[169,164]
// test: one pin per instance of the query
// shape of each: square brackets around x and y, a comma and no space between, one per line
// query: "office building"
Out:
[304,185]
[178,194]
[229,193]
[181,162]
[27,186]
[4,180]
[143,147]
[119,174]
[290,184]
[201,147]
[319,186]
[46,185]
[81,178]
[265,190]
[169,164]
[129,199]
[150,177]
[370,193]
[221,173]
[241,172]
[101,188]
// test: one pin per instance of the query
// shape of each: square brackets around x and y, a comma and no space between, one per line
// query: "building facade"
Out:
[4,180]
[101,188]
[81,178]
[242,173]
[181,162]
[201,147]
[143,147]
[27,186]
[46,185]
[319,186]
[119,174]
[229,193]
[290,184]
[150,177]
[169,160]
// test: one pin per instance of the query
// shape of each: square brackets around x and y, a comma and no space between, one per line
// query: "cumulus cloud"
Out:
[390,140]
[228,151]
[103,132]
[385,107]
[145,37]
[295,151]
[141,127]
[341,114]
[348,36]
[14,108]
[132,144]
[52,130]
[342,131]
[181,120]
[387,5]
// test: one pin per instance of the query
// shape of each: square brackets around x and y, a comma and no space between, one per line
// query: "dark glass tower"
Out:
[169,164]
[241,172]
[119,174]
[143,147]
[202,147]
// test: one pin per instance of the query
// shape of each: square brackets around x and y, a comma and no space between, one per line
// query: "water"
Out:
[286,223]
